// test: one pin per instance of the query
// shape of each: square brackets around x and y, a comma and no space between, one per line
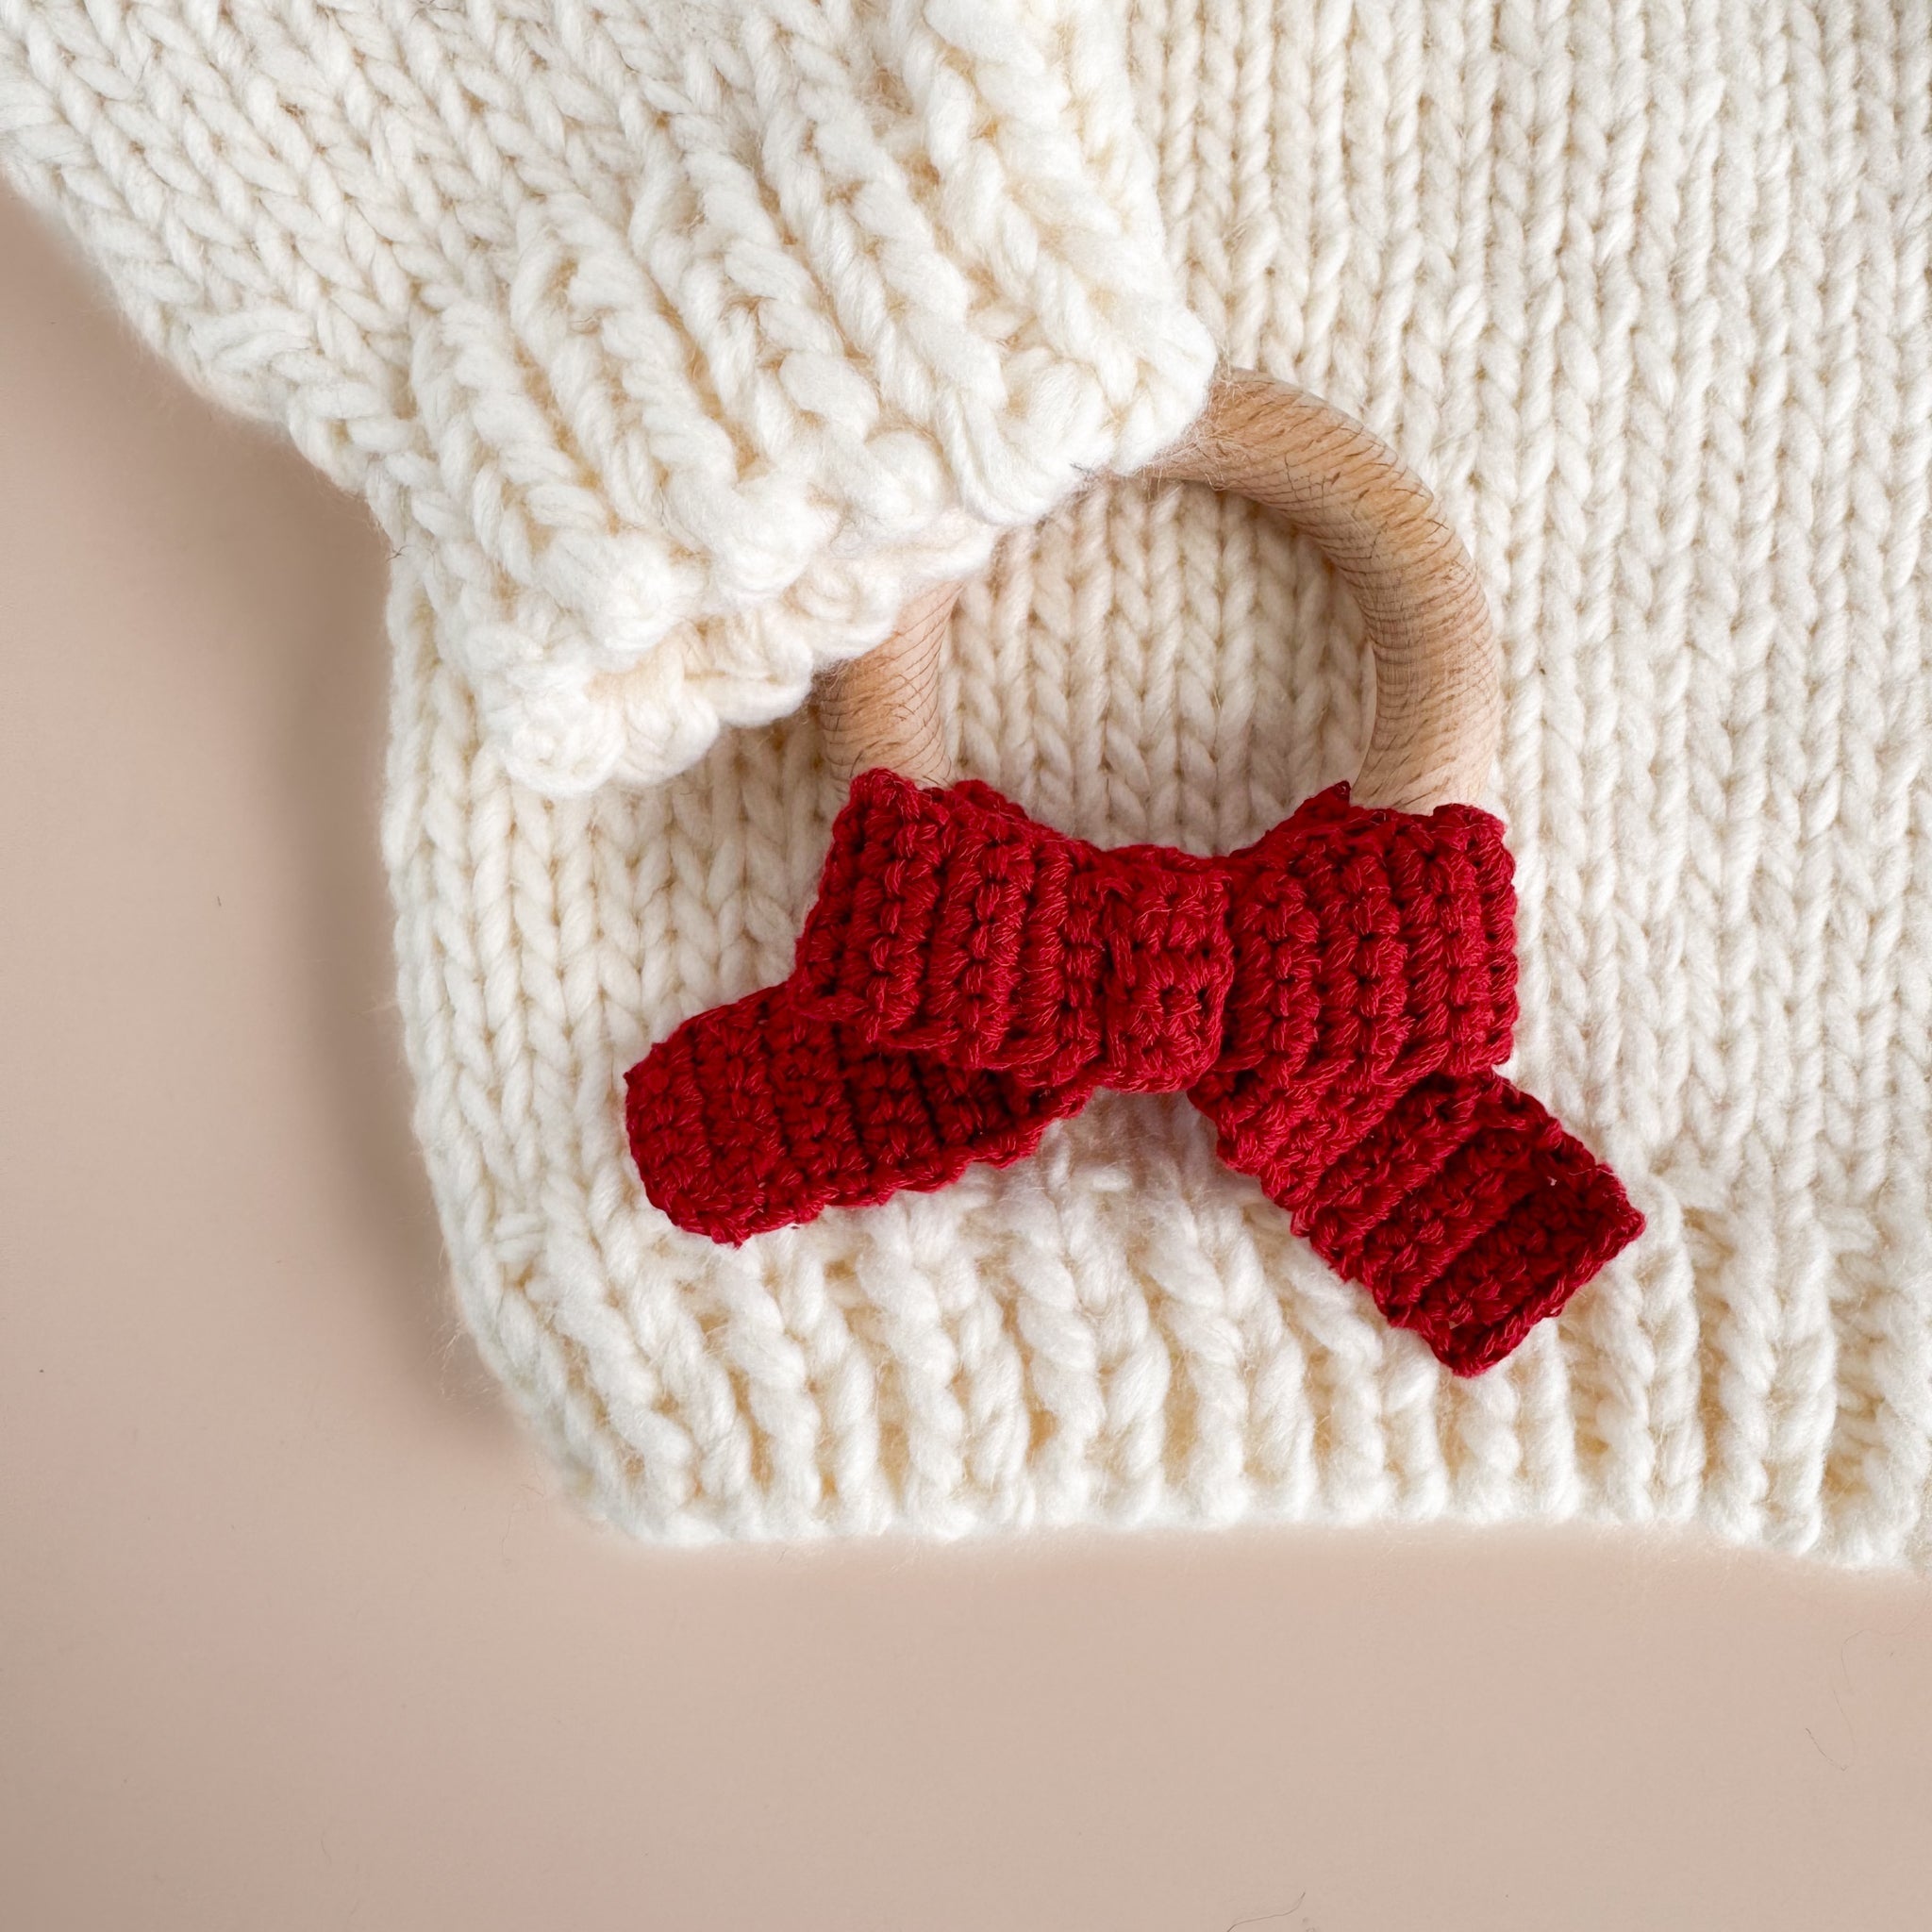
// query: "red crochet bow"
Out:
[1334,998]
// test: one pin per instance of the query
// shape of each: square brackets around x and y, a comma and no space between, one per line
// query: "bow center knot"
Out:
[952,923]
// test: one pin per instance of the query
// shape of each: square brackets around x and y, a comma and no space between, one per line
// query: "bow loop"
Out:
[1371,949]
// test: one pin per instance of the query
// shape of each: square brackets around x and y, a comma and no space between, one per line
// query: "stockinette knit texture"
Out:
[674,345]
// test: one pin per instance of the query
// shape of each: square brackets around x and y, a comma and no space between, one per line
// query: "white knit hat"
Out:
[676,345]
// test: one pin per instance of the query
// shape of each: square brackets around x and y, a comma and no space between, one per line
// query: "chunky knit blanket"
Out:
[674,345]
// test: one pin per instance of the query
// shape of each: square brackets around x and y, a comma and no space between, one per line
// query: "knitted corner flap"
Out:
[1334,998]
[678,345]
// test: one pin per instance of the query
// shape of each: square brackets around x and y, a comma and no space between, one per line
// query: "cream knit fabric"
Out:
[673,345]
[1640,286]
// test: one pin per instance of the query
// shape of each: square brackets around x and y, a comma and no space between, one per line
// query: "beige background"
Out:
[293,1632]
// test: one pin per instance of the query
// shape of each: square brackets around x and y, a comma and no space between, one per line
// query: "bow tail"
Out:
[1461,1205]
[762,1114]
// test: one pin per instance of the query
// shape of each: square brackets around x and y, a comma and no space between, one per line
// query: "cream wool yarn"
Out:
[674,344]
[1640,286]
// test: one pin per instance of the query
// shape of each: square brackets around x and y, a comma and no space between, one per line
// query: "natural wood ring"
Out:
[1437,703]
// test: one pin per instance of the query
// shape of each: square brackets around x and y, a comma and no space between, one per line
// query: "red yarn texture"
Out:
[1335,998]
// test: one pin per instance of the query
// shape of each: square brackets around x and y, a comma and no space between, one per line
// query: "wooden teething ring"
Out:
[1437,703]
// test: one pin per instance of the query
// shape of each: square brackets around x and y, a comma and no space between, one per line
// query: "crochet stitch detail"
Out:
[1333,998]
